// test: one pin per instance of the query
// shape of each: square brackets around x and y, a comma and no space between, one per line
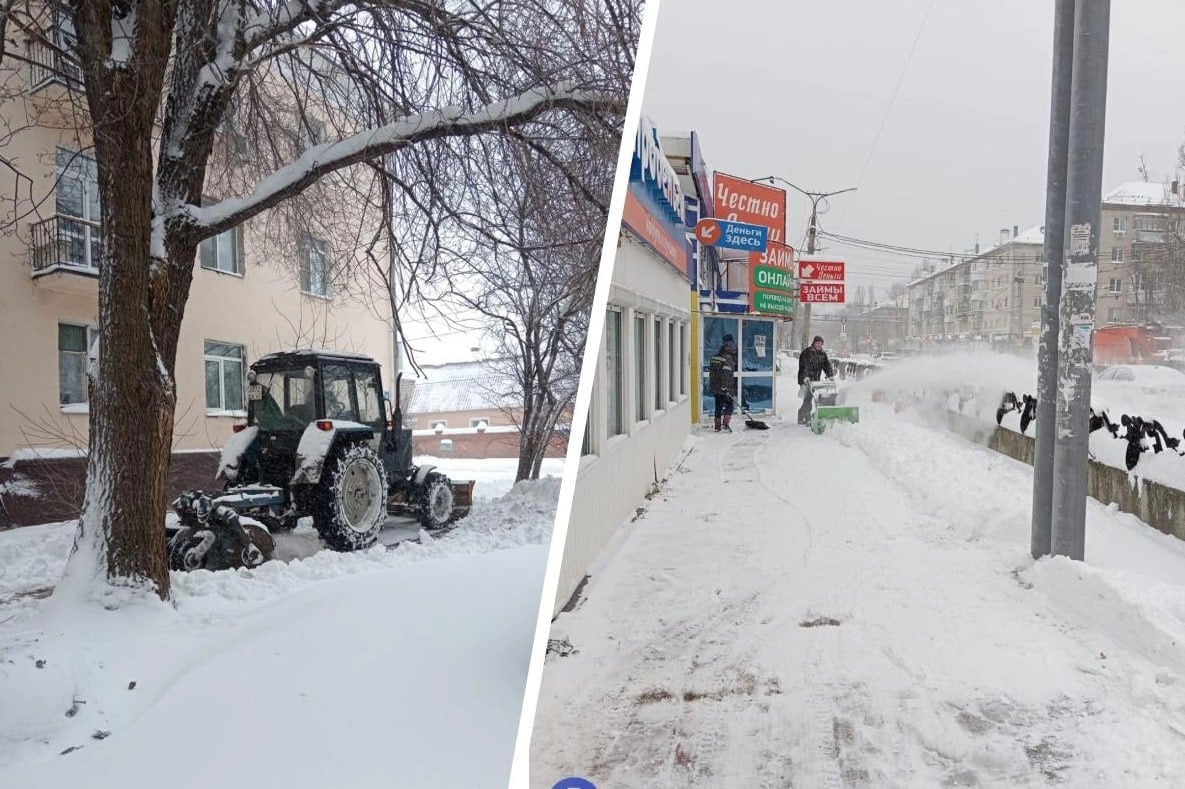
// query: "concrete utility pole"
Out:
[1051,294]
[1084,186]
[804,320]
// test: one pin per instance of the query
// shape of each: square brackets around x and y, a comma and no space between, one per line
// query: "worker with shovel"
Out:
[812,363]
[722,382]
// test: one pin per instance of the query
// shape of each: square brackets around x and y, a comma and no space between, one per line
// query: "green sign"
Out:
[773,278]
[768,303]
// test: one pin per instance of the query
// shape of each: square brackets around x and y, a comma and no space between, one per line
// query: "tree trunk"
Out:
[526,441]
[132,397]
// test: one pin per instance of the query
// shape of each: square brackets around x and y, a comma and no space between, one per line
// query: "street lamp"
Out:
[815,198]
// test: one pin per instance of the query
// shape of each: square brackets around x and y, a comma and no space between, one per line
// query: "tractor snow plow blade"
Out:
[462,497]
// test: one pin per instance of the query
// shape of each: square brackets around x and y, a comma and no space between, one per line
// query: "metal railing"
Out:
[67,242]
[48,64]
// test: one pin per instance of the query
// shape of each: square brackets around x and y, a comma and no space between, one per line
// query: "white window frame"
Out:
[640,372]
[1116,254]
[1119,226]
[321,247]
[92,334]
[236,244]
[309,131]
[684,360]
[220,360]
[475,421]
[90,227]
[615,400]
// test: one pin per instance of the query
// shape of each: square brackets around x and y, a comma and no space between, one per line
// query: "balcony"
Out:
[66,253]
[50,65]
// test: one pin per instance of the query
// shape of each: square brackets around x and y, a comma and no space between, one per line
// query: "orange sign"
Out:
[745,201]
[639,220]
[707,231]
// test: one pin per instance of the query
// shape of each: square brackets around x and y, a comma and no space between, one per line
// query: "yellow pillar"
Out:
[693,360]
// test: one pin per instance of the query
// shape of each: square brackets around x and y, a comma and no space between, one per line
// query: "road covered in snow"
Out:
[382,668]
[859,609]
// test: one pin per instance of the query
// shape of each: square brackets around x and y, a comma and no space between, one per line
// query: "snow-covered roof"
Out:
[463,386]
[319,352]
[1144,193]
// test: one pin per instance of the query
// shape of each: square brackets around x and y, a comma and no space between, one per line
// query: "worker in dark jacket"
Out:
[722,382]
[812,364]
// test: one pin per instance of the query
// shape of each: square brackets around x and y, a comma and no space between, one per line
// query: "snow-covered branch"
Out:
[319,160]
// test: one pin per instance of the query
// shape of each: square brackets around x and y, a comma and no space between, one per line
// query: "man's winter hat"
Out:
[817,339]
[728,338]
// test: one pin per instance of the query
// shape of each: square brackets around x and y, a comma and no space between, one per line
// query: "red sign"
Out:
[745,201]
[821,270]
[820,293]
[757,204]
[707,231]
[638,219]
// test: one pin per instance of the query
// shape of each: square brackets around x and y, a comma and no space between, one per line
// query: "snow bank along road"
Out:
[859,609]
[381,668]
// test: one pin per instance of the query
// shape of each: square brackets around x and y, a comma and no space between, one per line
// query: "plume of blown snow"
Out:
[970,382]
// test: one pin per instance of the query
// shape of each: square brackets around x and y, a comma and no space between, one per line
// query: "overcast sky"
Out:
[799,88]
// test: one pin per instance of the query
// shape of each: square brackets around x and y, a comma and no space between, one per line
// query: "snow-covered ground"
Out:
[859,609]
[401,667]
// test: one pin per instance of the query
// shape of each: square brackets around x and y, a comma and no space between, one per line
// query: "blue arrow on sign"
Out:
[742,236]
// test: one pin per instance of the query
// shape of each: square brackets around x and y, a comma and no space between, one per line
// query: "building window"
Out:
[1113,315]
[1119,225]
[659,403]
[672,361]
[1116,285]
[1036,301]
[223,252]
[309,132]
[315,267]
[74,341]
[684,351]
[1117,254]
[614,385]
[79,232]
[1147,222]
[586,447]
[224,376]
[639,367]
[479,422]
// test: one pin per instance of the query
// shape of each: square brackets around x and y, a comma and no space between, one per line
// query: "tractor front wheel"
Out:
[350,502]
[434,502]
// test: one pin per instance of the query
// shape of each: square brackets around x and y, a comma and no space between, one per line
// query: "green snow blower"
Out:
[825,410]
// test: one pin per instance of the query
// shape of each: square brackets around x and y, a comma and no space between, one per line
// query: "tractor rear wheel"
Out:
[434,502]
[350,502]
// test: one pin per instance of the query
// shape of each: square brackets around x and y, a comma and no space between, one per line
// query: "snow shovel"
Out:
[751,423]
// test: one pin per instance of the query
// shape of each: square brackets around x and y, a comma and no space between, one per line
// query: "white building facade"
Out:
[640,411]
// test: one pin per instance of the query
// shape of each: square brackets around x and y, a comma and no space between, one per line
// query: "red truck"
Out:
[1133,344]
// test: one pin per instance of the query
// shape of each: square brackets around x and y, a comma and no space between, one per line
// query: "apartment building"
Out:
[992,297]
[1140,251]
[255,290]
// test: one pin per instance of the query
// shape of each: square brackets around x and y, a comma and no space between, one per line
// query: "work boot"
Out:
[716,425]
[727,427]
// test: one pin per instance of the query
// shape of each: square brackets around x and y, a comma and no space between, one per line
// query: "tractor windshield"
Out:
[282,400]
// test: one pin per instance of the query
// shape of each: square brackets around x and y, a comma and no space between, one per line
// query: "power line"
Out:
[896,90]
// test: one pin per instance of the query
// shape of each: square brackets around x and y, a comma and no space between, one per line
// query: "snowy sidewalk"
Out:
[859,609]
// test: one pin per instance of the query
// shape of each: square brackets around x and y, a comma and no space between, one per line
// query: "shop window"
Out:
[672,362]
[614,369]
[640,412]
[684,350]
[659,402]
